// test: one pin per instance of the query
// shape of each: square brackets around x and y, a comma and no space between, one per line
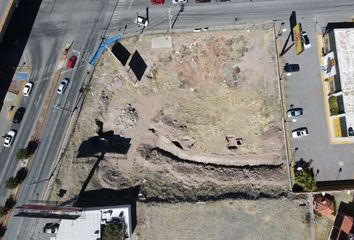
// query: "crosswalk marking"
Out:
[117,13]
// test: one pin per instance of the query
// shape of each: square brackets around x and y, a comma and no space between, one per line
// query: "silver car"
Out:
[63,85]
[295,112]
[300,132]
[9,138]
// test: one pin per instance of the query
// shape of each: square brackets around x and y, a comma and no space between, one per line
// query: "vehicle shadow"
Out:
[14,42]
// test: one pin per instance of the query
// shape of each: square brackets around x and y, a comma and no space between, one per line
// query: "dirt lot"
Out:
[174,121]
[240,219]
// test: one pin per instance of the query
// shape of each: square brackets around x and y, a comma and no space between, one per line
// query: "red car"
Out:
[71,62]
[157,2]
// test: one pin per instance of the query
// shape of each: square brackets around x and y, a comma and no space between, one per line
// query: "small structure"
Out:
[233,142]
[323,205]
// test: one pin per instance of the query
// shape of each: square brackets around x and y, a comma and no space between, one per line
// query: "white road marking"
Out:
[131,2]
[33,74]
[117,12]
[38,100]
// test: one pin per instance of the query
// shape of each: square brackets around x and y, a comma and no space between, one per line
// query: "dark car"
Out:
[51,228]
[289,68]
[350,131]
[19,115]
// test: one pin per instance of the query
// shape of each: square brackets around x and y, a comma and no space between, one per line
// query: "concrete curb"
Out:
[283,112]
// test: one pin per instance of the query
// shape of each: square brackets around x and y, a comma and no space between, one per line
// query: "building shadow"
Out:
[110,197]
[332,25]
[335,185]
[14,42]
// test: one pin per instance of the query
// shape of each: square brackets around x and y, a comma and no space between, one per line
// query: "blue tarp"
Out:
[103,45]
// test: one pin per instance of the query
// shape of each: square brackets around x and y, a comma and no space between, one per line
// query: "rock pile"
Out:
[127,118]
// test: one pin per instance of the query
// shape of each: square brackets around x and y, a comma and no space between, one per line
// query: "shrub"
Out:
[9,204]
[333,105]
[2,230]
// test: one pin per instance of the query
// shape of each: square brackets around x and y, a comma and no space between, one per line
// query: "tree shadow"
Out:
[14,42]
[32,146]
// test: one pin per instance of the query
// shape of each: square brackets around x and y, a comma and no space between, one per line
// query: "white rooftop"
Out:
[86,227]
[345,55]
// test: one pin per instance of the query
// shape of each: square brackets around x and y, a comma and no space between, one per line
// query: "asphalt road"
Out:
[56,24]
[84,21]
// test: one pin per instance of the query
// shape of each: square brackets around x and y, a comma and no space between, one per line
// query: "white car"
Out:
[9,138]
[307,43]
[27,89]
[63,85]
[179,1]
[141,21]
[295,112]
[300,132]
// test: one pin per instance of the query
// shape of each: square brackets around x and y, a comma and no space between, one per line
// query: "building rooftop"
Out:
[86,227]
[345,57]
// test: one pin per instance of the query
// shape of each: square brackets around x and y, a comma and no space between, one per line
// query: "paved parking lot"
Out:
[304,89]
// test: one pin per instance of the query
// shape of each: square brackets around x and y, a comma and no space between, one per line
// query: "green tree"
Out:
[11,183]
[3,211]
[112,232]
[305,180]
[22,153]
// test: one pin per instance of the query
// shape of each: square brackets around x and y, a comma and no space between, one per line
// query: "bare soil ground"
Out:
[206,86]
[231,219]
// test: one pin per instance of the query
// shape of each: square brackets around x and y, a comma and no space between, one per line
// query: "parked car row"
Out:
[294,113]
[26,92]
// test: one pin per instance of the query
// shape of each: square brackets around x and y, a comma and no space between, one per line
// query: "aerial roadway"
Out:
[81,24]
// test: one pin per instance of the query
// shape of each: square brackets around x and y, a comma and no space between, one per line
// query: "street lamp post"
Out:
[293,156]
[281,29]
